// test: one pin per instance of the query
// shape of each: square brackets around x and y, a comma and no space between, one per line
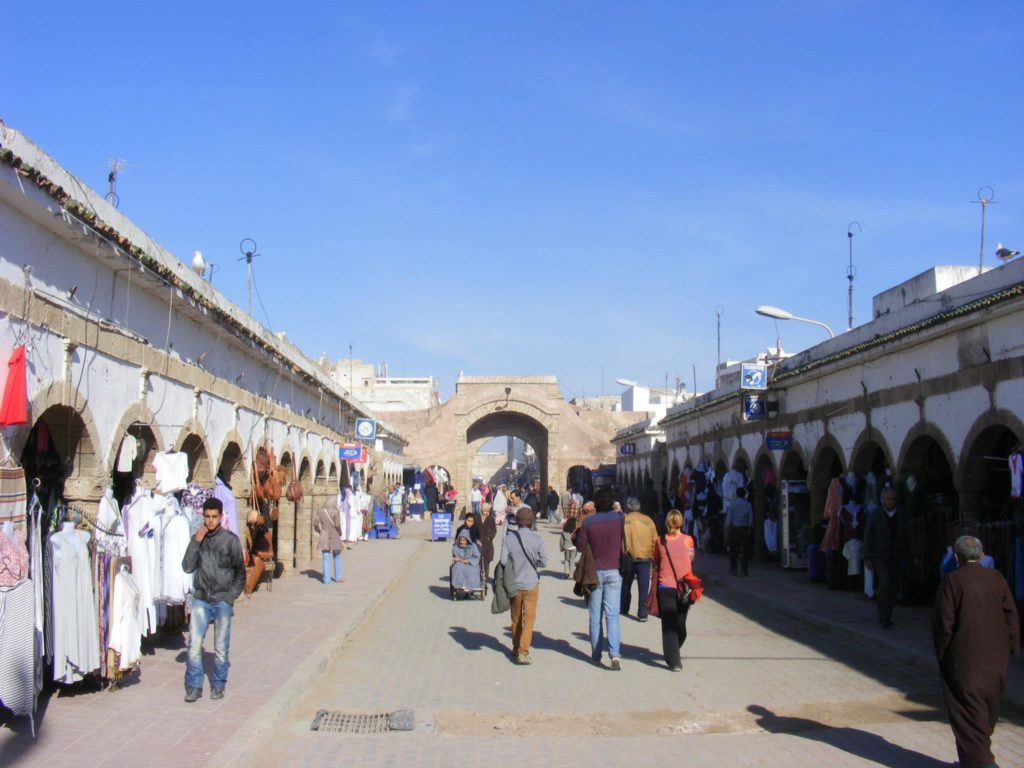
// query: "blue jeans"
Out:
[327,565]
[476,507]
[202,614]
[605,599]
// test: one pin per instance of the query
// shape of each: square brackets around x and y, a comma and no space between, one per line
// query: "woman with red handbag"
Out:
[670,600]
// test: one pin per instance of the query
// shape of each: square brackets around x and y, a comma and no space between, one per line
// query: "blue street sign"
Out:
[755,407]
[366,429]
[778,441]
[350,452]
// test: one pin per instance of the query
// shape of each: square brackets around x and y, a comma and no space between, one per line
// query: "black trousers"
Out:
[741,545]
[887,587]
[641,573]
[673,612]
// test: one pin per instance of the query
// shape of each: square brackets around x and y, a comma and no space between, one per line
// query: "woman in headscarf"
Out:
[465,563]
[488,530]
[470,527]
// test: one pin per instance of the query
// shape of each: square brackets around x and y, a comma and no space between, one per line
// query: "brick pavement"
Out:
[279,640]
[448,661]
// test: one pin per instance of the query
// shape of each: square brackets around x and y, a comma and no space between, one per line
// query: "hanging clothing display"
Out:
[75,629]
[175,584]
[17,647]
[171,471]
[227,499]
[12,495]
[127,454]
[1016,474]
[138,518]
[126,619]
[14,407]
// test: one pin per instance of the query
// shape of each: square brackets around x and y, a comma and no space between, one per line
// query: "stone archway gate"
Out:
[529,407]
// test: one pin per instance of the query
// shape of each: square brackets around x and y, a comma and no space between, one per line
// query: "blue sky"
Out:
[530,188]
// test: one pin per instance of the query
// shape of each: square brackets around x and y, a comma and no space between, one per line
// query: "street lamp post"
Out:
[780,314]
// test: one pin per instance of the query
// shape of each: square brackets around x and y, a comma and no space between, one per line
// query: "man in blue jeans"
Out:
[214,555]
[603,533]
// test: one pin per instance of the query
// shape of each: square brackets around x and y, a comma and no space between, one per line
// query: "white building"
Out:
[122,339]
[382,392]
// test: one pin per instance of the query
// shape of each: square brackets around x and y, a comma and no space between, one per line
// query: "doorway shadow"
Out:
[863,744]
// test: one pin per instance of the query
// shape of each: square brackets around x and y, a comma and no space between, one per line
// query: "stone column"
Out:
[304,530]
[286,534]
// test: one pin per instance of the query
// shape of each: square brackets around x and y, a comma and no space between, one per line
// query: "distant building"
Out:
[382,392]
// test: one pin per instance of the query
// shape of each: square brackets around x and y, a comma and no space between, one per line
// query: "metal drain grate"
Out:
[361,724]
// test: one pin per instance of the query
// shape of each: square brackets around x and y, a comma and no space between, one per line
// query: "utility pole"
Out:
[719,310]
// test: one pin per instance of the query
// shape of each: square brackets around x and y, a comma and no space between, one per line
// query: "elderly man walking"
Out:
[603,532]
[641,535]
[975,629]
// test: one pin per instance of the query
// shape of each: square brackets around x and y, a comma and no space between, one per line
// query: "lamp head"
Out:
[774,312]
[508,391]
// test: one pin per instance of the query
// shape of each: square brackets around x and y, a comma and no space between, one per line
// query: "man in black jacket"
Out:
[214,555]
[886,544]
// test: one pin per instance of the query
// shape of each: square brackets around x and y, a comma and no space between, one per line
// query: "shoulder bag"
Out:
[294,490]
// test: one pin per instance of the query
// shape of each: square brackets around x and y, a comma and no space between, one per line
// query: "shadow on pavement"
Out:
[442,592]
[476,641]
[862,744]
[629,652]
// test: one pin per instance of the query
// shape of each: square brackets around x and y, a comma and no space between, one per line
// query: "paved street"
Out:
[757,688]
[777,672]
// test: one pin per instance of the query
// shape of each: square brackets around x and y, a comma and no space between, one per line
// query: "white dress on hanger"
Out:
[125,619]
[176,584]
[139,519]
[75,629]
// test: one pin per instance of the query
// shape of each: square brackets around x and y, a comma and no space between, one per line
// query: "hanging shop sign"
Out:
[366,429]
[754,376]
[627,449]
[350,451]
[755,407]
[778,441]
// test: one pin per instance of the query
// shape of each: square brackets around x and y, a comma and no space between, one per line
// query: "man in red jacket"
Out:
[975,629]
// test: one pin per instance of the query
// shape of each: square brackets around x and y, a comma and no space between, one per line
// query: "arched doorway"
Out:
[532,420]
[792,466]
[194,447]
[926,492]
[825,467]
[133,462]
[521,427]
[985,484]
[765,500]
[60,454]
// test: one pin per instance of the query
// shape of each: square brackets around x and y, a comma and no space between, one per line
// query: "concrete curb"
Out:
[250,739]
[919,660]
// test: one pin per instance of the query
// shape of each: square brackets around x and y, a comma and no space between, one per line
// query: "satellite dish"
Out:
[198,263]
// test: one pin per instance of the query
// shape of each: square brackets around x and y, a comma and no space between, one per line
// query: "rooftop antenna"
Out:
[719,310]
[851,272]
[114,165]
[248,249]
[986,195]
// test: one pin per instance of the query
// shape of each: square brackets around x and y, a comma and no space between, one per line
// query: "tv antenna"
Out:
[248,249]
[986,195]
[851,272]
[114,166]
[719,311]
